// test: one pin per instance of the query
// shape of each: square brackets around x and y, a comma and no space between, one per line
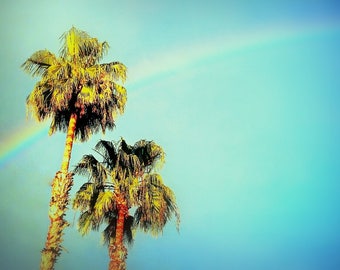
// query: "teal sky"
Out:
[242,95]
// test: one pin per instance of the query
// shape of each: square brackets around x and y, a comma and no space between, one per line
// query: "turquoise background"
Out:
[242,95]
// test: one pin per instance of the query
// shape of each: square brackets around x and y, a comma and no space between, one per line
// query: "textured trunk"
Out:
[117,250]
[69,143]
[61,186]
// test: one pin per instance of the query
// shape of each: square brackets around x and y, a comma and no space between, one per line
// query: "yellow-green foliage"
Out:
[157,151]
[104,203]
[85,222]
[72,41]
[75,82]
[83,197]
[131,176]
[157,204]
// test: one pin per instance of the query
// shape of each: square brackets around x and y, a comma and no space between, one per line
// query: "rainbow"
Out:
[21,138]
[189,56]
[172,62]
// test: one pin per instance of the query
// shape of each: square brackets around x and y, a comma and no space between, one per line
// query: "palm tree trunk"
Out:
[69,143]
[61,186]
[117,250]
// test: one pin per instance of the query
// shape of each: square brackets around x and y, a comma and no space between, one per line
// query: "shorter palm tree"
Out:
[126,177]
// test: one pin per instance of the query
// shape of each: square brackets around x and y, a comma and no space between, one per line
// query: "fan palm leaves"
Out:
[82,97]
[75,83]
[126,177]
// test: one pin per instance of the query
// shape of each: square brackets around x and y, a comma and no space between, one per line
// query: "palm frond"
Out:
[127,162]
[134,164]
[38,102]
[168,204]
[85,222]
[104,203]
[92,51]
[84,196]
[125,147]
[129,187]
[157,154]
[79,46]
[90,166]
[119,96]
[114,71]
[157,205]
[39,62]
[128,230]
[72,39]
[108,151]
[150,154]
[109,232]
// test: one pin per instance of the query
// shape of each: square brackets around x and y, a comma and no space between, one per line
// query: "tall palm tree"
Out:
[126,177]
[81,96]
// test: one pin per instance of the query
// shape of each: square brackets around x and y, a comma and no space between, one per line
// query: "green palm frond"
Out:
[129,163]
[104,203]
[73,39]
[157,155]
[93,51]
[90,166]
[98,84]
[114,71]
[119,96]
[150,154]
[168,205]
[157,205]
[128,230]
[85,222]
[110,215]
[39,62]
[84,196]
[129,187]
[78,44]
[38,102]
[109,153]
[119,159]
[134,164]
[88,221]
[109,233]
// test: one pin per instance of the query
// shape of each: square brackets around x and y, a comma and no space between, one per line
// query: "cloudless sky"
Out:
[242,95]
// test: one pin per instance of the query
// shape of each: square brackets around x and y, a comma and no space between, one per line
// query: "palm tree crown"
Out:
[75,82]
[126,177]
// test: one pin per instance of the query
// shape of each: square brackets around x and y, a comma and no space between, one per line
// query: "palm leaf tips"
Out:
[78,45]
[84,196]
[158,205]
[39,62]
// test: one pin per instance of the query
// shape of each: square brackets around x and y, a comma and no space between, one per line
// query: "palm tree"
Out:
[82,97]
[126,177]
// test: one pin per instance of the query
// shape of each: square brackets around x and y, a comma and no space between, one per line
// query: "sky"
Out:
[243,96]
